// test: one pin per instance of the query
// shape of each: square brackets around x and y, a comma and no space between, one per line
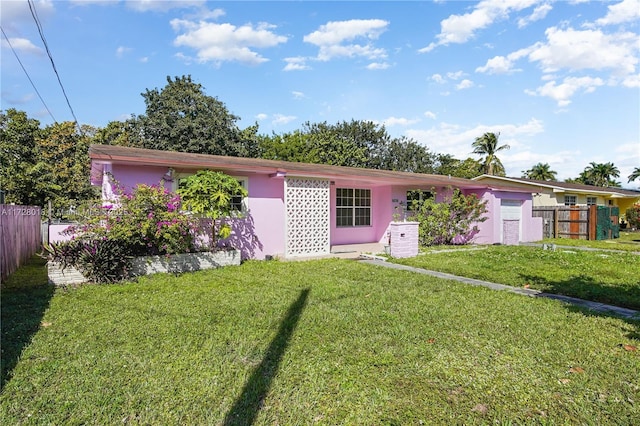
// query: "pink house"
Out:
[299,209]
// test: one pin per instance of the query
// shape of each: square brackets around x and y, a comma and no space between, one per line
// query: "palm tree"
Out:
[601,174]
[487,146]
[634,175]
[540,172]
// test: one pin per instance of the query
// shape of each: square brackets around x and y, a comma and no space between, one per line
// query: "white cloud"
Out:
[430,115]
[502,64]
[538,13]
[378,66]
[588,49]
[438,79]
[162,5]
[144,59]
[399,121]
[23,45]
[455,75]
[296,64]
[632,81]
[562,92]
[464,84]
[17,12]
[334,39]
[225,42]
[625,11]
[462,28]
[456,140]
[261,117]
[298,95]
[122,50]
[282,119]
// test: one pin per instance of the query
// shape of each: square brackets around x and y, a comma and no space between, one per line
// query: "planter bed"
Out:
[177,263]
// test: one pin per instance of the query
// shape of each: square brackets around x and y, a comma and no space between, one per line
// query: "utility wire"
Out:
[27,74]
[32,8]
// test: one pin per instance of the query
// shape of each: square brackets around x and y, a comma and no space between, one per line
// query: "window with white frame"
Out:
[570,200]
[592,201]
[238,202]
[353,207]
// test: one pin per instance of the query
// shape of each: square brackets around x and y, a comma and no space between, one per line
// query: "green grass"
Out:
[628,241]
[612,278]
[320,342]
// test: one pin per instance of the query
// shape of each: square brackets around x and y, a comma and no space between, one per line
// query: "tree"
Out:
[209,194]
[600,174]
[18,156]
[180,117]
[40,165]
[634,175]
[487,146]
[540,171]
[446,164]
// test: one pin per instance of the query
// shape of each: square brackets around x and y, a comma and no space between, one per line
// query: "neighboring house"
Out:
[299,209]
[548,193]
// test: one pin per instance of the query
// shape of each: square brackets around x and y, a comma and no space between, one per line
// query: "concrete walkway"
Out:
[595,306]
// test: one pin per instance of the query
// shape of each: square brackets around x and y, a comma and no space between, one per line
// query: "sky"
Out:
[558,80]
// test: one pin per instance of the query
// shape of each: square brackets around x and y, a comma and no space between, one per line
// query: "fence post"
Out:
[555,223]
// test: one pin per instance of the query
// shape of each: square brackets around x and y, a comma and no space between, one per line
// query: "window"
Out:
[239,203]
[417,195]
[570,200]
[353,207]
[592,201]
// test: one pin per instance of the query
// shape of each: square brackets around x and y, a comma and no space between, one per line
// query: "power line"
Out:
[27,74]
[32,8]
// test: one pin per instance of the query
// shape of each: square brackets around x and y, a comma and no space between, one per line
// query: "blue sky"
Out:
[560,80]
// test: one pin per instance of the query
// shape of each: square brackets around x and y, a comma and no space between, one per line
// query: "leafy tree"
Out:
[354,144]
[40,165]
[634,175]
[117,133]
[18,156]
[487,146]
[405,155]
[449,221]
[209,194]
[446,164]
[540,171]
[600,174]
[633,216]
[286,147]
[180,117]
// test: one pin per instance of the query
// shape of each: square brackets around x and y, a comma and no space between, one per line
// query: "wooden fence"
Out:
[20,236]
[579,222]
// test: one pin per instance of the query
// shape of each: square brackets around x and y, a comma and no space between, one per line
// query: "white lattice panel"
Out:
[307,206]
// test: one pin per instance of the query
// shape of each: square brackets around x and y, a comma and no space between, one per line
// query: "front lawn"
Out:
[320,342]
[612,278]
[628,241]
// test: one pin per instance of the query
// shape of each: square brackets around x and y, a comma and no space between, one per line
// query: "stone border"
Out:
[177,263]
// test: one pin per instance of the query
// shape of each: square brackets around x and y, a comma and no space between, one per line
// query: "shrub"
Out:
[148,221]
[208,194]
[633,216]
[449,221]
[101,261]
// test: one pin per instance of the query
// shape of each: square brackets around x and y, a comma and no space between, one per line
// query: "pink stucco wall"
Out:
[381,215]
[263,232]
[491,230]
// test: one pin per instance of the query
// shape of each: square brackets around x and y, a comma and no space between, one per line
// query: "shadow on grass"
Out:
[584,287]
[24,298]
[249,403]
[587,288]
